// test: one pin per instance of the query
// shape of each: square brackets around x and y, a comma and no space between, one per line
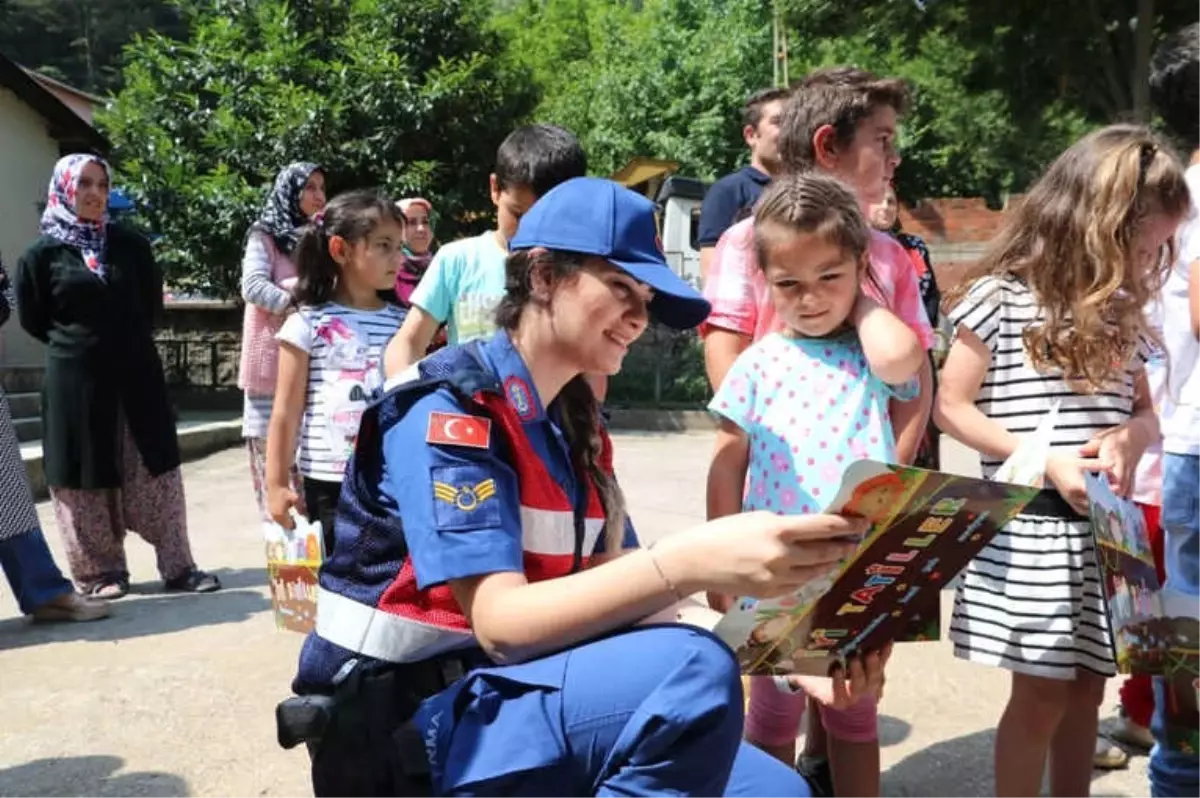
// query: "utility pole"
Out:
[1143,41]
[779,47]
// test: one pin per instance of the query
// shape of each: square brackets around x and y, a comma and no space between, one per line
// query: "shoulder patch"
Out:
[521,398]
[459,429]
[464,498]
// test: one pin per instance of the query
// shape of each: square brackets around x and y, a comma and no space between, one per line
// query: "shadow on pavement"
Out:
[893,731]
[149,611]
[959,766]
[86,775]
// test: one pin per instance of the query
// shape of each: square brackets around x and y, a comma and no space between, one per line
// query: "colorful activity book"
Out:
[1154,629]
[925,527]
[294,557]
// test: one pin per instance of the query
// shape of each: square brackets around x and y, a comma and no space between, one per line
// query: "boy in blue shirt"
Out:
[465,281]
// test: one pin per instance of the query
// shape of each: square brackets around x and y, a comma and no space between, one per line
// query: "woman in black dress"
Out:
[90,291]
[41,591]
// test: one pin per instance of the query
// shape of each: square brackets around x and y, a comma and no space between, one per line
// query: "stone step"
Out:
[21,379]
[28,429]
[199,436]
[25,405]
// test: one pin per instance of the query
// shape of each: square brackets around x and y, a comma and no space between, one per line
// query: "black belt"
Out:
[361,738]
[1049,503]
[304,718]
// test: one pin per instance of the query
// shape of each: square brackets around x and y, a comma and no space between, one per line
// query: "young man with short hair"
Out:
[735,193]
[841,121]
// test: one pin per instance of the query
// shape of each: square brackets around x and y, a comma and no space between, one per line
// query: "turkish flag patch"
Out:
[457,429]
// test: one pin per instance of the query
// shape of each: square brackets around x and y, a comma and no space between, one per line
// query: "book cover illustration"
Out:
[294,557]
[1154,630]
[925,527]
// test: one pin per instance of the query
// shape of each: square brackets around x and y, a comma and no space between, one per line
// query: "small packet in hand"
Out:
[1027,465]
[294,557]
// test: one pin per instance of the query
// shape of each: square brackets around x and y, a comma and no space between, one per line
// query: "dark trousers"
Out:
[321,498]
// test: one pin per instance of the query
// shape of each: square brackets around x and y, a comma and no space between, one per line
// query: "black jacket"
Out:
[100,358]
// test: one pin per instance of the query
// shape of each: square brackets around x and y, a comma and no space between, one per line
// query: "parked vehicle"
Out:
[679,200]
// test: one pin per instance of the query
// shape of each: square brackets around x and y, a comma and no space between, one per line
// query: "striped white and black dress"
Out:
[1031,601]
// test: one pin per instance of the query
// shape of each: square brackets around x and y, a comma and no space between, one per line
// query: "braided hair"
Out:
[579,411]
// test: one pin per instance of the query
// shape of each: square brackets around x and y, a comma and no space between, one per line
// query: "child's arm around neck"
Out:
[892,349]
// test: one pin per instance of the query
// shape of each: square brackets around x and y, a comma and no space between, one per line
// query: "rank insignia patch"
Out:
[464,497]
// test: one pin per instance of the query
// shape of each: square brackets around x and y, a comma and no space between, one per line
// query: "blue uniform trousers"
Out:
[650,711]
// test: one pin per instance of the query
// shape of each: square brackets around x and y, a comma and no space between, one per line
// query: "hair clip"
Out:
[318,219]
[1148,151]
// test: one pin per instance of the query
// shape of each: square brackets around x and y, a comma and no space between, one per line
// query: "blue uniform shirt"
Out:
[449,476]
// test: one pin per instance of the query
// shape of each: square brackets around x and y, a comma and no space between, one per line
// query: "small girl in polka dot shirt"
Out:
[799,406]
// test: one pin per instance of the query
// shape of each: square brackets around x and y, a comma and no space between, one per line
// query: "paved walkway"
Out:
[175,694]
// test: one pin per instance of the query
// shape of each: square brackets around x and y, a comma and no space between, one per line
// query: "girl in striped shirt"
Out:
[1054,314]
[330,349]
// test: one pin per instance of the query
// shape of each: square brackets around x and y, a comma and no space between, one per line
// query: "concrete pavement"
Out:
[175,695]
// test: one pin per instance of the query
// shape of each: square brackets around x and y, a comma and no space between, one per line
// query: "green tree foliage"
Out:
[659,78]
[1000,87]
[80,41]
[407,95]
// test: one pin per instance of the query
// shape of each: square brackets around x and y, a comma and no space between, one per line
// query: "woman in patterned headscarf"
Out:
[268,274]
[91,291]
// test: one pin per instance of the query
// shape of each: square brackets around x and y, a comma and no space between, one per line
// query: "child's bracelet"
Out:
[662,575]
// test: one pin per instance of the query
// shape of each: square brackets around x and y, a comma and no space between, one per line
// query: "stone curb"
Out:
[195,442]
[202,440]
[658,420]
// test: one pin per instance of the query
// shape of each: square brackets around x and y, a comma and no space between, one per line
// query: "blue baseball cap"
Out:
[593,216]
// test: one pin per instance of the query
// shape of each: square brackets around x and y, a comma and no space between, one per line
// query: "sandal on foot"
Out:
[194,581]
[1109,755]
[1133,735]
[107,589]
[69,607]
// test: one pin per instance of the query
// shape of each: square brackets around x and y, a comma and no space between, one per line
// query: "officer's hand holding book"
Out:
[758,554]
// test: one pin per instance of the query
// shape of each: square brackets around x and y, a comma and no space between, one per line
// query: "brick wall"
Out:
[957,230]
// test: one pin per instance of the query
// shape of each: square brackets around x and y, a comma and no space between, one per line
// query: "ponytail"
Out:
[317,271]
[350,216]
[577,403]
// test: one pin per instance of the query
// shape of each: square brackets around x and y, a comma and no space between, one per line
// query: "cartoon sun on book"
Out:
[876,498]
[769,646]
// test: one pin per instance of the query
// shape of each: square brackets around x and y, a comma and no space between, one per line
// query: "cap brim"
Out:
[676,303]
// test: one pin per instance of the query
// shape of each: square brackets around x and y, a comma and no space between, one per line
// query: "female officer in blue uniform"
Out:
[481,532]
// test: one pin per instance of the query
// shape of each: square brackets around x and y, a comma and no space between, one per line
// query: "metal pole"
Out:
[775,43]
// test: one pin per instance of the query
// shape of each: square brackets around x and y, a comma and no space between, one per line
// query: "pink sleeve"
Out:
[895,269]
[730,283]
